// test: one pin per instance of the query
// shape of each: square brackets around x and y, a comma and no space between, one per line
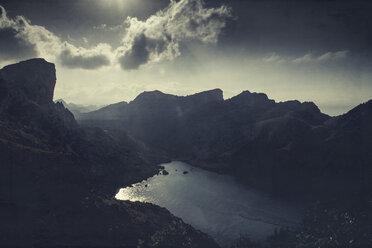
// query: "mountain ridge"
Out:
[267,144]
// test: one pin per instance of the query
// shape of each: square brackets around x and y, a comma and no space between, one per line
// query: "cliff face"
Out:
[33,79]
[27,96]
[288,148]
[58,180]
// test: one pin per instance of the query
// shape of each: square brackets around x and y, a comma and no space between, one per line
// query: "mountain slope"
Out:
[288,148]
[77,109]
[58,179]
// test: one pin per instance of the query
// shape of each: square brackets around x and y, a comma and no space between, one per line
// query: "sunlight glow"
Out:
[120,4]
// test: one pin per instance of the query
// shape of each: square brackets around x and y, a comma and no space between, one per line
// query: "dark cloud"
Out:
[12,47]
[136,56]
[160,35]
[19,39]
[69,60]
[284,27]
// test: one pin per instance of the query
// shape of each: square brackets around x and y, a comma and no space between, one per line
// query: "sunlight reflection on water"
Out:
[214,203]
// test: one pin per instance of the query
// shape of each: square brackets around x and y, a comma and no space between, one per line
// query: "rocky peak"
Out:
[152,97]
[358,117]
[364,109]
[206,96]
[61,101]
[27,96]
[310,106]
[295,105]
[200,98]
[36,78]
[248,98]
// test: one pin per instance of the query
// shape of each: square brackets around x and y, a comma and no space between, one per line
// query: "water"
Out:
[214,204]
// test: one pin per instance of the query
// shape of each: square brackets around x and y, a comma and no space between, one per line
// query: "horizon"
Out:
[224,98]
[107,52]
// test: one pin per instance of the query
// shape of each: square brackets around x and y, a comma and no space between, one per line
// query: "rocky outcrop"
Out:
[26,96]
[58,179]
[33,79]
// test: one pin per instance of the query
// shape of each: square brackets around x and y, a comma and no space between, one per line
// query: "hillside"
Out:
[288,148]
[58,180]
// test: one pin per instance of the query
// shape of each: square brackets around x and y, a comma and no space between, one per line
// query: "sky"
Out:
[106,51]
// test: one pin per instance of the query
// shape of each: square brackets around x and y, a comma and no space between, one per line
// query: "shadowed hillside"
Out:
[58,180]
[288,148]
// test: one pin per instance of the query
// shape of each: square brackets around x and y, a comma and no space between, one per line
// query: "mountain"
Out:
[58,179]
[288,148]
[153,115]
[77,109]
[111,112]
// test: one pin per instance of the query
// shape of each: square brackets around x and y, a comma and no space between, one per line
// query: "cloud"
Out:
[308,58]
[122,26]
[159,36]
[137,55]
[326,57]
[79,57]
[102,26]
[274,58]
[11,45]
[21,39]
[72,57]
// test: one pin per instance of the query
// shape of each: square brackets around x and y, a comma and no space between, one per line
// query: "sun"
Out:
[119,4]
